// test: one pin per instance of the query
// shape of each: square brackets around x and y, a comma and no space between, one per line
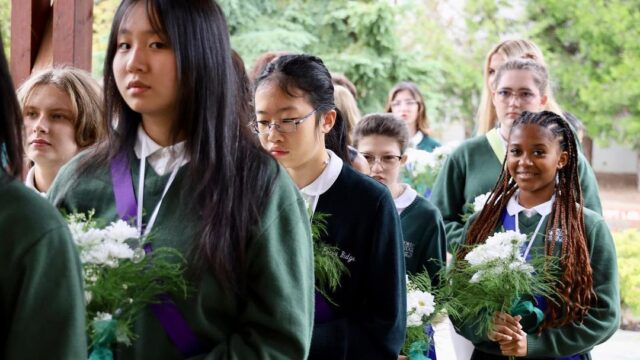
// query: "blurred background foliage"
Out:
[591,46]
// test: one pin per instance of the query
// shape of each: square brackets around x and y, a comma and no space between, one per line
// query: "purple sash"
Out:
[509,223]
[323,310]
[166,311]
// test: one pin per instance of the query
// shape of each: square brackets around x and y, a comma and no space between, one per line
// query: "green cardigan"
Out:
[601,321]
[41,296]
[473,169]
[274,320]
[424,238]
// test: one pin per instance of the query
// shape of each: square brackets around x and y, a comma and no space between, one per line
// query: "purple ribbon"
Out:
[323,310]
[166,311]
[509,223]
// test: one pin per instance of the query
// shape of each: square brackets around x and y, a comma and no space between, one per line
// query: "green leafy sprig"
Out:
[500,291]
[328,267]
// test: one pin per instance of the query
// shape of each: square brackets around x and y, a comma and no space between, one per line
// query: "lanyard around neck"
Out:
[154,214]
[533,237]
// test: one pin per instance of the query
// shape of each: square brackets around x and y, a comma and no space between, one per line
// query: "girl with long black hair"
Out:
[181,164]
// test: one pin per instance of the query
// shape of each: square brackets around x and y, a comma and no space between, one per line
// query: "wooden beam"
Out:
[28,22]
[72,32]
[46,32]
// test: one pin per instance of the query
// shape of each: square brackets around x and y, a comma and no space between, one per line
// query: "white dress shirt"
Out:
[162,159]
[311,193]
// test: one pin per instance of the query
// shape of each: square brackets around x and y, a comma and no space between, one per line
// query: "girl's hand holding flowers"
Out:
[508,332]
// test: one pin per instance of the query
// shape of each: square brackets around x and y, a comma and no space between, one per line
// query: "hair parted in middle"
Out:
[422,122]
[510,49]
[226,165]
[383,124]
[575,286]
[539,72]
[308,74]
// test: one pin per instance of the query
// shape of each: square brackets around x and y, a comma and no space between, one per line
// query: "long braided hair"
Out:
[575,286]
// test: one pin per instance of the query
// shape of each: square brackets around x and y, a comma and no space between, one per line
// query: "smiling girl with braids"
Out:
[473,167]
[538,193]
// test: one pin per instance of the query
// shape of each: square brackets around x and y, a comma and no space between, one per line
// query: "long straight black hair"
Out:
[11,152]
[308,74]
[230,177]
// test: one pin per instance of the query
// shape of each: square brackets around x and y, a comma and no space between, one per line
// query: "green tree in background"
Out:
[592,48]
[596,60]
[103,12]
[357,38]
[5,24]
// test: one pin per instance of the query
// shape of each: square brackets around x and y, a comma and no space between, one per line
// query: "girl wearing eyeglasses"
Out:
[182,154]
[365,317]
[472,169]
[406,102]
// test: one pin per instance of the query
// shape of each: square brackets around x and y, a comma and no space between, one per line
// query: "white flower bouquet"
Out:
[495,277]
[120,279]
[423,167]
[422,309]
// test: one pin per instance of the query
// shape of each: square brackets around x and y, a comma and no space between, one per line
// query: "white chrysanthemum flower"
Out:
[420,302]
[107,253]
[504,245]
[102,316]
[115,252]
[480,201]
[120,231]
[426,304]
[521,266]
[414,319]
[477,277]
[88,238]
[87,297]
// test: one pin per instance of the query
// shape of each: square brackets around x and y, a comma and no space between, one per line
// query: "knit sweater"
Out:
[602,319]
[273,321]
[370,314]
[41,296]
[424,238]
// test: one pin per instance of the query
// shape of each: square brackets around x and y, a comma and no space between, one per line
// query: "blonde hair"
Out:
[539,72]
[422,123]
[510,49]
[85,95]
[346,103]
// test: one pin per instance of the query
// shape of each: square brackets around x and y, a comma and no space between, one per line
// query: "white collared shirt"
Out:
[162,159]
[514,207]
[311,193]
[405,199]
[30,181]
[416,139]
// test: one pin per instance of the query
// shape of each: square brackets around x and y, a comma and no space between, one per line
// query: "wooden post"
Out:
[72,32]
[45,33]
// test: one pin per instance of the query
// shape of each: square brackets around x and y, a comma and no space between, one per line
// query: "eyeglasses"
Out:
[407,103]
[524,97]
[385,161]
[263,127]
